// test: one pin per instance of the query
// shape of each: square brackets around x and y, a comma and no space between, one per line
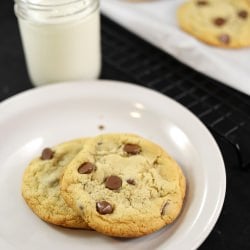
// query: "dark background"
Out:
[232,231]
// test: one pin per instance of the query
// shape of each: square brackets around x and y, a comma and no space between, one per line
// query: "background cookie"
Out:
[124,185]
[223,23]
[40,187]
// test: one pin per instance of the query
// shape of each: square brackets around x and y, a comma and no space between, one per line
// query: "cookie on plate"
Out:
[124,185]
[222,23]
[41,185]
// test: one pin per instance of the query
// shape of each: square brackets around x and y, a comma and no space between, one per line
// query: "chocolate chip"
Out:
[202,3]
[131,181]
[132,149]
[113,182]
[103,207]
[243,14]
[47,154]
[219,21]
[164,208]
[86,168]
[224,38]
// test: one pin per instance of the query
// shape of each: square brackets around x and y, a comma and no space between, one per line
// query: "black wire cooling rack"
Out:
[225,111]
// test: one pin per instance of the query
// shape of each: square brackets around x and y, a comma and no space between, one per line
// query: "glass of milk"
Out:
[61,39]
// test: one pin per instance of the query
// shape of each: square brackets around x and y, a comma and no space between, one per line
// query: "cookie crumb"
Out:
[101,127]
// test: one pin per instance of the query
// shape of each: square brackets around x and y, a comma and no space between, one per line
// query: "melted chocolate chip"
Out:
[131,181]
[47,154]
[202,3]
[224,38]
[219,21]
[113,182]
[103,207]
[243,14]
[86,168]
[132,149]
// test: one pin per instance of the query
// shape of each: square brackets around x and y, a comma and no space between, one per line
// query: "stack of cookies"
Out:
[118,184]
[222,23]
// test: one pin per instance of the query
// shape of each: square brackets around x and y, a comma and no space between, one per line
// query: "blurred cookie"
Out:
[222,23]
[41,182]
[124,185]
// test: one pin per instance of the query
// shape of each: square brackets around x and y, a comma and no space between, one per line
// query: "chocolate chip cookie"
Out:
[222,23]
[124,185]
[41,181]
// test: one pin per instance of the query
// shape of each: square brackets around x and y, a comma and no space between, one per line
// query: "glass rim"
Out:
[31,4]
[54,12]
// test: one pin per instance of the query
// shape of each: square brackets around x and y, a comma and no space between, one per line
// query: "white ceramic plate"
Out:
[49,115]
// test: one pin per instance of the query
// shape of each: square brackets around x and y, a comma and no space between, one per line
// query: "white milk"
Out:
[60,46]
